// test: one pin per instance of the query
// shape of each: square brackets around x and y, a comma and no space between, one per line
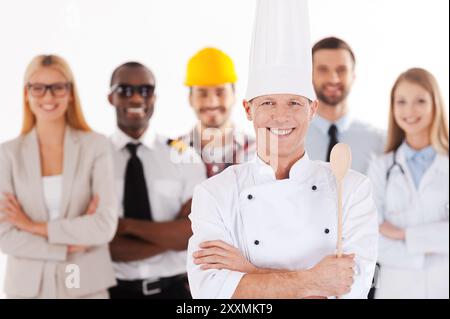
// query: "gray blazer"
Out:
[87,171]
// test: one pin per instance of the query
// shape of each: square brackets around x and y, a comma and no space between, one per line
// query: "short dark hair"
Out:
[131,65]
[333,43]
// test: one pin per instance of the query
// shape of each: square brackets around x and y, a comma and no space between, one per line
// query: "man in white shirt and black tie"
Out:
[333,76]
[155,194]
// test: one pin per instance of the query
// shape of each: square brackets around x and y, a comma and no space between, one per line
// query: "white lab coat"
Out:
[417,268]
[289,224]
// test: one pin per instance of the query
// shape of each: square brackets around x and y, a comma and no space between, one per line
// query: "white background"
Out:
[388,37]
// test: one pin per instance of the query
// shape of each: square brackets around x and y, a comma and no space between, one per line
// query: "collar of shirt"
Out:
[264,173]
[323,125]
[427,154]
[120,140]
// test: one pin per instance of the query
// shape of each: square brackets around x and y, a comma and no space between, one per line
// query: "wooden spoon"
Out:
[341,160]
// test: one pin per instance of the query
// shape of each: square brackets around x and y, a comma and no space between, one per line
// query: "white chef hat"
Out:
[281,52]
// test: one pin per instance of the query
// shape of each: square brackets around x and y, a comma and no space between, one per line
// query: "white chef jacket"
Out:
[170,183]
[417,268]
[282,224]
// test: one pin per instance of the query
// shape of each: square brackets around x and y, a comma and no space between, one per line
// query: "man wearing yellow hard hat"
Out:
[211,78]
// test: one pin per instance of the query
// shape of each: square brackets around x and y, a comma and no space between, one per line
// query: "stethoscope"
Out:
[393,166]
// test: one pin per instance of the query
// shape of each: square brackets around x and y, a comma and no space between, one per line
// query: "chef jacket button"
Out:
[314,188]
[257,242]
[250,197]
[327,231]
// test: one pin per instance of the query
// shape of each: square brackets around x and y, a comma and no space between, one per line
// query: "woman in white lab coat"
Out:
[411,185]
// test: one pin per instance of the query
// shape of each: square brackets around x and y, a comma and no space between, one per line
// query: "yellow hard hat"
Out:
[209,67]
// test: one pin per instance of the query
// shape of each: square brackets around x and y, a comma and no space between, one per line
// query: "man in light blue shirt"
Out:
[334,74]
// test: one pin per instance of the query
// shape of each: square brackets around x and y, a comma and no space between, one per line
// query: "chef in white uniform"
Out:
[268,228]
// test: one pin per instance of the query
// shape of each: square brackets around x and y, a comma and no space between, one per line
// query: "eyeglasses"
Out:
[127,90]
[56,89]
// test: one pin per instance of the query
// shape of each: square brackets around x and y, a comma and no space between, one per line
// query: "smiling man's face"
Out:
[213,104]
[281,122]
[334,74]
[133,112]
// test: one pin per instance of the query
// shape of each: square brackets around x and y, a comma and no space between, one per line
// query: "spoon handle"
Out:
[340,219]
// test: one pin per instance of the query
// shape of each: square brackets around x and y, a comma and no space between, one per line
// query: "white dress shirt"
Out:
[365,141]
[170,184]
[281,224]
[52,186]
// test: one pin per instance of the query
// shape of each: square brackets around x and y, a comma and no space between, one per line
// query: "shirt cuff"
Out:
[58,252]
[230,285]
[410,241]
[54,233]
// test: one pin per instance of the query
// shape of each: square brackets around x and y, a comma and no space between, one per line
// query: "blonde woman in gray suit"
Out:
[57,203]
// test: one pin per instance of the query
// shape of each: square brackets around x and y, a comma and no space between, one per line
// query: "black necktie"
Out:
[136,203]
[333,134]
